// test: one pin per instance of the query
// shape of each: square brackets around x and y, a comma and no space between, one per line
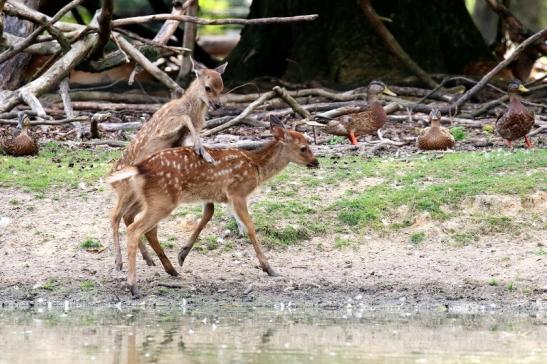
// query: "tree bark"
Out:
[11,71]
[341,49]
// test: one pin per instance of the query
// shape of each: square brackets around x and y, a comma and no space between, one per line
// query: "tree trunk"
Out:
[341,49]
[11,71]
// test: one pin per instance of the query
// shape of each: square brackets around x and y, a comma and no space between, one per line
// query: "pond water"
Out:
[281,335]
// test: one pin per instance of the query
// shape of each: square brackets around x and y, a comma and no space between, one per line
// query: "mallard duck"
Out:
[517,121]
[23,143]
[369,121]
[435,137]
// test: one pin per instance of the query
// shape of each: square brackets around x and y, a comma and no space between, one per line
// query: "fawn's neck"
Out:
[195,102]
[270,160]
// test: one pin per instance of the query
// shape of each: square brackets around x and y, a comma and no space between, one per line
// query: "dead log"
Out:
[188,42]
[104,20]
[105,106]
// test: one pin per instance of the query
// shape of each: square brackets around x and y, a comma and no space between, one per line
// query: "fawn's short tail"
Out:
[122,174]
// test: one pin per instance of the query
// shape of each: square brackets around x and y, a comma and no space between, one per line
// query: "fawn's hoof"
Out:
[133,289]
[150,262]
[172,272]
[182,255]
[271,272]
[119,266]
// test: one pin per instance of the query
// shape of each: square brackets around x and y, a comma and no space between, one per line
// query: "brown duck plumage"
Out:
[517,121]
[435,137]
[23,143]
[365,122]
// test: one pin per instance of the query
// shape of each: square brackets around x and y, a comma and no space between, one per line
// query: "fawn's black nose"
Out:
[313,164]
[215,105]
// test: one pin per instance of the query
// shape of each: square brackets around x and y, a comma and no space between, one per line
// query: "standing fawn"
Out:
[179,175]
[169,127]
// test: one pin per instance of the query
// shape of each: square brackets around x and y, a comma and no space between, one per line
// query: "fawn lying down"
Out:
[180,175]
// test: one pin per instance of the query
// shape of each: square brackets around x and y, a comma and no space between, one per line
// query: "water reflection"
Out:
[263,336]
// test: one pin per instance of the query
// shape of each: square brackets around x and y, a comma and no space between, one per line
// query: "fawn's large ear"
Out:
[197,67]
[220,69]
[277,128]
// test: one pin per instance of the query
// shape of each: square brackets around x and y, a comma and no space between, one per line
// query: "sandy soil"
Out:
[42,241]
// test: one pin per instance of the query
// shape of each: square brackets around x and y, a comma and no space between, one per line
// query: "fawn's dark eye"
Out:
[303,149]
[207,88]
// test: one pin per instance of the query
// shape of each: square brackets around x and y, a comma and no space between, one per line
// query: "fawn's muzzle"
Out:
[313,164]
[215,104]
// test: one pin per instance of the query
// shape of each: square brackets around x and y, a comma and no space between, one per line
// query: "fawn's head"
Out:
[210,82]
[295,145]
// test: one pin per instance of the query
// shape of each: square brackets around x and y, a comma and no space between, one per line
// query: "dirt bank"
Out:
[41,259]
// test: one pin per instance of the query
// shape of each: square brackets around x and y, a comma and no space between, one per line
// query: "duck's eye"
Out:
[207,88]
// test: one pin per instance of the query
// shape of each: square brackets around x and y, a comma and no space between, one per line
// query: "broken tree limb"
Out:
[32,36]
[151,68]
[105,21]
[282,93]
[10,40]
[248,110]
[393,45]
[51,77]
[188,41]
[47,122]
[319,92]
[192,19]
[472,91]
[107,106]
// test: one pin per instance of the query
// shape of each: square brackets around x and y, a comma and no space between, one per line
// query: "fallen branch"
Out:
[32,36]
[192,19]
[151,68]
[105,106]
[249,109]
[44,48]
[51,78]
[282,93]
[104,20]
[188,42]
[472,91]
[47,122]
[120,126]
[393,45]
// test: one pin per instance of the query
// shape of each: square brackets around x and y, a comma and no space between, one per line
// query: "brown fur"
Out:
[169,127]
[179,175]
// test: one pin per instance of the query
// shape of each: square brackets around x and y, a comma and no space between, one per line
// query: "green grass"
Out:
[417,238]
[91,244]
[458,133]
[87,285]
[341,243]
[55,166]
[511,287]
[300,203]
[493,282]
[50,284]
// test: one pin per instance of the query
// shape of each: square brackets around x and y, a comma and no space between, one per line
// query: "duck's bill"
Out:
[389,92]
[523,89]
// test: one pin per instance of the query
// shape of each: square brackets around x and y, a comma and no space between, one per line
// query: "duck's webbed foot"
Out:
[528,142]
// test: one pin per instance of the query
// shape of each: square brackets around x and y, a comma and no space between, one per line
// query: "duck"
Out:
[435,137]
[517,121]
[368,121]
[23,143]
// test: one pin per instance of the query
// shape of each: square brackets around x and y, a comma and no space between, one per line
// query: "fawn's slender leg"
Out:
[116,218]
[240,208]
[146,222]
[128,218]
[152,237]
[208,211]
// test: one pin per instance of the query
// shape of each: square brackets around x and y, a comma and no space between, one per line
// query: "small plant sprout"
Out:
[458,133]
